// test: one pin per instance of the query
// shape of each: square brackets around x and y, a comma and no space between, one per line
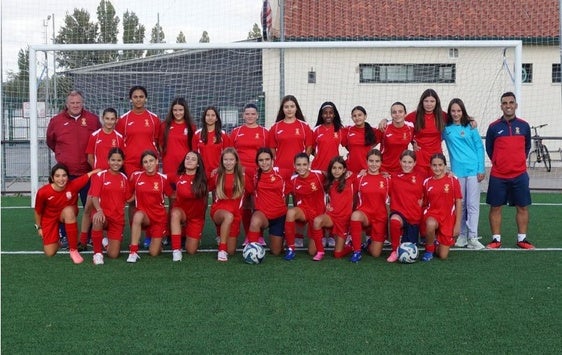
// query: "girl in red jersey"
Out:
[442,209]
[56,203]
[176,135]
[210,140]
[339,187]
[247,139]
[395,139]
[109,193]
[327,136]
[100,143]
[149,188]
[269,198]
[308,201]
[230,184]
[140,129]
[406,197]
[190,205]
[358,140]
[372,194]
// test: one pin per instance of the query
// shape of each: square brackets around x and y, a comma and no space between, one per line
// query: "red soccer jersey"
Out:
[113,191]
[372,194]
[353,139]
[210,151]
[99,145]
[440,196]
[308,193]
[233,205]
[341,203]
[247,141]
[428,141]
[289,139]
[194,207]
[140,132]
[327,145]
[150,191]
[393,142]
[406,194]
[269,194]
[176,148]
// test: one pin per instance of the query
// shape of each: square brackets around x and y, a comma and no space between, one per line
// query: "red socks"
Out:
[97,237]
[395,233]
[133,248]
[253,237]
[290,230]
[356,230]
[316,235]
[176,241]
[222,246]
[72,235]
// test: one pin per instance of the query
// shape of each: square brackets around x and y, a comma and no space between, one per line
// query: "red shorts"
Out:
[234,228]
[341,226]
[194,227]
[114,229]
[50,233]
[379,229]
[444,232]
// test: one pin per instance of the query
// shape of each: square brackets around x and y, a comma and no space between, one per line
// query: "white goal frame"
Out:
[517,46]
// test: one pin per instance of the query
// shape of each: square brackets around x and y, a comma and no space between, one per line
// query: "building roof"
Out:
[428,19]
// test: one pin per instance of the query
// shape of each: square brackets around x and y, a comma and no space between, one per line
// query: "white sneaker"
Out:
[461,241]
[98,259]
[133,258]
[177,255]
[105,242]
[331,242]
[474,243]
[222,256]
[299,242]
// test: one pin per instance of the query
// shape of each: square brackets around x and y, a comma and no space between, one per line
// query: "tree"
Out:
[180,39]
[255,33]
[108,23]
[157,36]
[205,37]
[77,29]
[16,87]
[133,32]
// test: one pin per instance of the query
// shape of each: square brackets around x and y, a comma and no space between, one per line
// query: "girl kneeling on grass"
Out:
[149,188]
[230,183]
[109,193]
[443,209]
[339,187]
[269,202]
[308,201]
[56,203]
[189,206]
[406,197]
[372,194]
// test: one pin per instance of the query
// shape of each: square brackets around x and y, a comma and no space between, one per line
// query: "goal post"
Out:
[369,73]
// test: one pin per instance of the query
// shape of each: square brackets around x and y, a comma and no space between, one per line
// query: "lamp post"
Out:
[45,24]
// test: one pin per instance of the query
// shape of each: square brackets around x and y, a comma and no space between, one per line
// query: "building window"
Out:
[556,73]
[453,53]
[527,73]
[407,73]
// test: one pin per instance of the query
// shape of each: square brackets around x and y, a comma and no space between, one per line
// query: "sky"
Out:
[224,20]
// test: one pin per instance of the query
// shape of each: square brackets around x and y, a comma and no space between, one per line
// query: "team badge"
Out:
[114,142]
[446,188]
[517,131]
[313,186]
[404,136]
[156,186]
[381,184]
[272,178]
[83,122]
[68,195]
[185,131]
[462,133]
[297,132]
[146,123]
[413,179]
[257,136]
[336,135]
[122,185]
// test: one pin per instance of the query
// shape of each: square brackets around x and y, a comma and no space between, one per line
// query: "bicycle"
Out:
[540,151]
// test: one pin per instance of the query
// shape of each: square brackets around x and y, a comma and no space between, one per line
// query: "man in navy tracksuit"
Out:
[508,141]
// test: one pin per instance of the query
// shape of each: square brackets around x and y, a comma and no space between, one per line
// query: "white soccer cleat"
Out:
[133,258]
[98,259]
[177,255]
[222,255]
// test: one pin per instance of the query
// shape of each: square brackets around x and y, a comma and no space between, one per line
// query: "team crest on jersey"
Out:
[214,139]
[446,188]
[517,130]
[297,131]
[381,184]
[68,195]
[114,142]
[404,136]
[185,131]
[257,136]
[272,178]
[413,179]
[146,123]
[83,122]
[156,186]
[336,135]
[122,184]
[462,133]
[313,186]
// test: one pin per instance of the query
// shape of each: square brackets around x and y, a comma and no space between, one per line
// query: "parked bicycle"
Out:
[539,154]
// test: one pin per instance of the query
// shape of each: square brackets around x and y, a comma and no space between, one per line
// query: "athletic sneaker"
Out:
[474,243]
[525,244]
[319,256]
[427,256]
[494,244]
[331,242]
[63,242]
[355,257]
[222,255]
[463,242]
[365,245]
[98,259]
[262,242]
[133,258]
[177,255]
[393,257]
[82,247]
[289,254]
[75,256]
[146,242]
[386,243]
[299,242]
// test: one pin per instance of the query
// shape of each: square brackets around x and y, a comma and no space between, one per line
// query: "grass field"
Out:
[504,301]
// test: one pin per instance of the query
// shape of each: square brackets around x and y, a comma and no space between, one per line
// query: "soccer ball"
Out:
[253,253]
[407,253]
